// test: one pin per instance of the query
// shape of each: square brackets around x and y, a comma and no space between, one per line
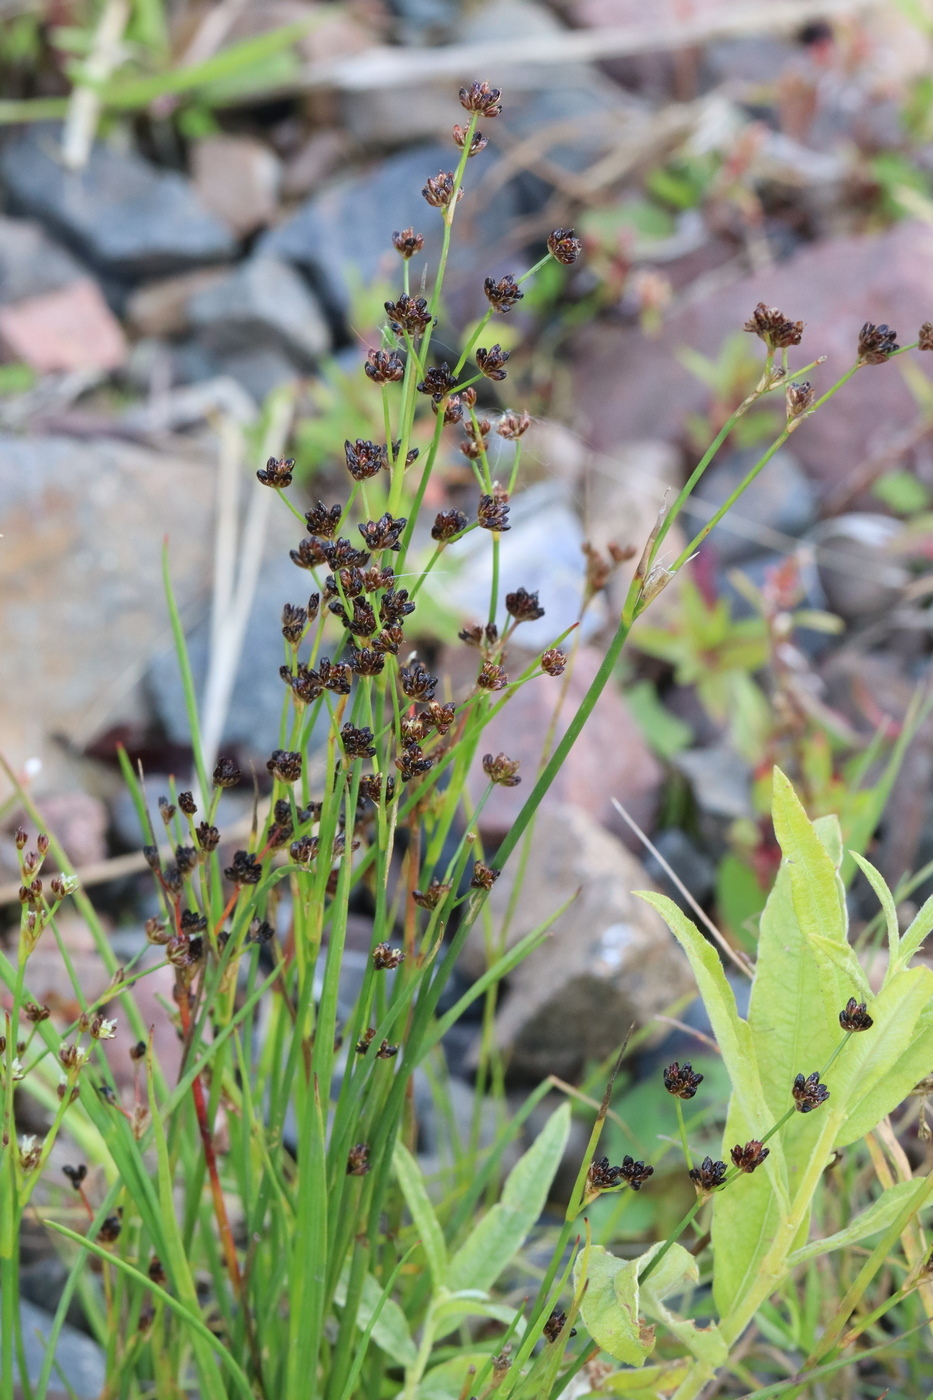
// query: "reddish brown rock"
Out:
[629,386]
[236,178]
[72,328]
[610,758]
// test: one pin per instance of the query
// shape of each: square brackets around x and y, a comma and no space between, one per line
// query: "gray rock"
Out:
[83,525]
[609,961]
[424,22]
[119,211]
[721,780]
[263,305]
[780,502]
[30,263]
[688,863]
[258,694]
[81,1360]
[258,371]
[343,235]
[859,567]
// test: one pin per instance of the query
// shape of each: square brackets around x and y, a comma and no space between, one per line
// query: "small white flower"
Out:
[18,1071]
[103,1030]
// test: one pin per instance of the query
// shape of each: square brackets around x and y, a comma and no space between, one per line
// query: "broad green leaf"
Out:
[610,1304]
[817,891]
[885,899]
[390,1332]
[878,1216]
[792,1032]
[503,1229]
[677,1268]
[422,1212]
[732,1033]
[446,1381]
[646,1384]
[879,1067]
[471,1302]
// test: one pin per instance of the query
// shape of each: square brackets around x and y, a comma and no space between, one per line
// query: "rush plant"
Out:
[260,1225]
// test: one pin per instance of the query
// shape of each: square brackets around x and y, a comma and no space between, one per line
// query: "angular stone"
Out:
[32,264]
[780,502]
[263,304]
[319,157]
[69,329]
[609,760]
[860,563]
[237,178]
[610,961]
[119,211]
[83,525]
[161,308]
[79,1358]
[629,385]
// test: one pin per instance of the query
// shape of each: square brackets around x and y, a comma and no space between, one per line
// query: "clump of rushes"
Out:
[271,1192]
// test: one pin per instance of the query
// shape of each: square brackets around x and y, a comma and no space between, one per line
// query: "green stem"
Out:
[683,1133]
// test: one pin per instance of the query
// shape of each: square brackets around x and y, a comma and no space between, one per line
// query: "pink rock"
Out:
[73,328]
[237,178]
[614,14]
[629,386]
[79,822]
[610,758]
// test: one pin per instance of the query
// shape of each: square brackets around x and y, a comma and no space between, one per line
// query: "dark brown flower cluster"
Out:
[384,366]
[876,344]
[504,294]
[491,362]
[432,894]
[384,533]
[385,957]
[479,142]
[854,1016]
[365,458]
[681,1081]
[773,327]
[245,869]
[437,381]
[481,98]
[553,662]
[226,773]
[563,246]
[448,524]
[439,189]
[708,1175]
[407,243]
[555,1325]
[925,336]
[501,770]
[808,1092]
[749,1157]
[408,315]
[492,513]
[277,472]
[523,606]
[513,425]
[602,1177]
[285,765]
[484,876]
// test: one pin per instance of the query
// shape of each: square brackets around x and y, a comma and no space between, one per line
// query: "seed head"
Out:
[304,850]
[367,663]
[417,683]
[75,1175]
[681,1081]
[408,243]
[408,314]
[294,621]
[357,743]
[749,1157]
[109,1231]
[479,142]
[492,361]
[854,1016]
[492,513]
[384,366]
[513,425]
[562,245]
[799,398]
[35,1013]
[448,524]
[411,763]
[187,804]
[372,784]
[30,1152]
[635,1174]
[708,1175]
[773,327]
[480,97]
[555,1325]
[138,1051]
[876,344]
[166,810]
[245,870]
[484,876]
[358,1160]
[808,1092]
[601,1176]
[21,838]
[103,1030]
[226,773]
[385,957]
[324,521]
[277,472]
[208,837]
[364,458]
[439,190]
[437,382]
[453,410]
[501,770]
[491,677]
[384,533]
[504,294]
[431,896]
[523,606]
[553,661]
[156,1272]
[925,336]
[440,716]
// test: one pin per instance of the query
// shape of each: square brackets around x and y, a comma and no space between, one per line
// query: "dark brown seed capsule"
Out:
[285,765]
[481,98]
[513,425]
[385,957]
[277,473]
[681,1081]
[925,336]
[408,243]
[245,869]
[876,344]
[635,1174]
[448,524]
[749,1157]
[109,1231]
[492,362]
[358,1160]
[708,1175]
[855,1017]
[75,1175]
[384,533]
[504,294]
[601,1176]
[35,1013]
[408,315]
[437,382]
[773,327]
[553,662]
[364,458]
[208,837]
[563,246]
[439,190]
[479,142]
[384,366]
[484,876]
[501,770]
[226,773]
[417,683]
[523,606]
[808,1092]
[431,896]
[491,677]
[799,399]
[187,804]
[357,743]
[555,1325]
[323,520]
[493,513]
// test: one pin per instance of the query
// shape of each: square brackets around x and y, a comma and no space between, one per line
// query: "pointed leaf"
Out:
[610,1305]
[919,929]
[885,899]
[422,1212]
[878,1216]
[503,1229]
